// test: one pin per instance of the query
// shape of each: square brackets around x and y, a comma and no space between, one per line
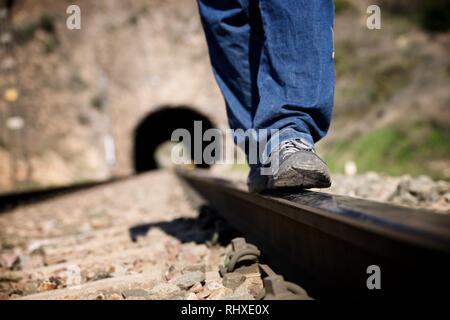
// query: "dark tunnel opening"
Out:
[7,4]
[157,128]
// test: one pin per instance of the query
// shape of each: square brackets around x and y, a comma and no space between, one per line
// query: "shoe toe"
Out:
[303,169]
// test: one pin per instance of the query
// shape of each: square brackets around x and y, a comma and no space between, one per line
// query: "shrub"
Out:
[431,15]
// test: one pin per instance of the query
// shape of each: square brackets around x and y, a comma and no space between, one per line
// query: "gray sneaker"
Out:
[292,164]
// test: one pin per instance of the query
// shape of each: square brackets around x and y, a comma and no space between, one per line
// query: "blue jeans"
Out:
[273,61]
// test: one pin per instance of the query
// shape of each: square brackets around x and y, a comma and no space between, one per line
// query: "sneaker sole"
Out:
[303,171]
[302,178]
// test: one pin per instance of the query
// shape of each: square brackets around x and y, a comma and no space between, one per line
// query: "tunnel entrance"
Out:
[156,129]
[8,4]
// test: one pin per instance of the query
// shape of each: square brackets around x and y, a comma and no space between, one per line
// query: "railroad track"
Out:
[332,245]
[139,238]
[12,199]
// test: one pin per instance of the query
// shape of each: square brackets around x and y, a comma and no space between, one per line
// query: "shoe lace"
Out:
[291,146]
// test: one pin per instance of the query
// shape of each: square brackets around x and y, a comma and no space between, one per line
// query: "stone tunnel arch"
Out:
[157,127]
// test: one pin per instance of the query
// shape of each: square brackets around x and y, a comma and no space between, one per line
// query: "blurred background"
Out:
[91,104]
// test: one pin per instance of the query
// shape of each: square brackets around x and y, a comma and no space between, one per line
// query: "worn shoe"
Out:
[292,164]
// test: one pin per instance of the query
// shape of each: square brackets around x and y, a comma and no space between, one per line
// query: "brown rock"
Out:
[255,289]
[47,286]
[232,280]
[8,261]
[251,286]
[212,276]
[116,296]
[4,296]
[189,257]
[191,296]
[196,288]
[249,271]
[220,294]
[203,294]
[54,259]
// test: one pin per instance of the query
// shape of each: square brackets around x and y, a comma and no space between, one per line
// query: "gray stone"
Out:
[407,199]
[164,288]
[135,293]
[420,187]
[442,187]
[213,285]
[180,295]
[188,279]
[195,267]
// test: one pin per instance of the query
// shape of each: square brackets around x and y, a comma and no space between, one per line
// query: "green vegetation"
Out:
[240,167]
[394,150]
[49,44]
[341,6]
[97,102]
[46,23]
[431,15]
[78,82]
[28,185]
[84,119]
[27,32]
[133,19]
[372,74]
[390,78]
[375,82]
[366,77]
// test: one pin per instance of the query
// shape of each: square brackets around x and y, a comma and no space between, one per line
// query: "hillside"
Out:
[392,99]
[132,57]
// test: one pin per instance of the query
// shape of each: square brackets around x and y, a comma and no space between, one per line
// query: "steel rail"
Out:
[15,198]
[326,242]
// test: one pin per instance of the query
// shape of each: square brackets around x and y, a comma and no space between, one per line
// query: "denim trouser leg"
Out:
[296,75]
[274,68]
[231,44]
